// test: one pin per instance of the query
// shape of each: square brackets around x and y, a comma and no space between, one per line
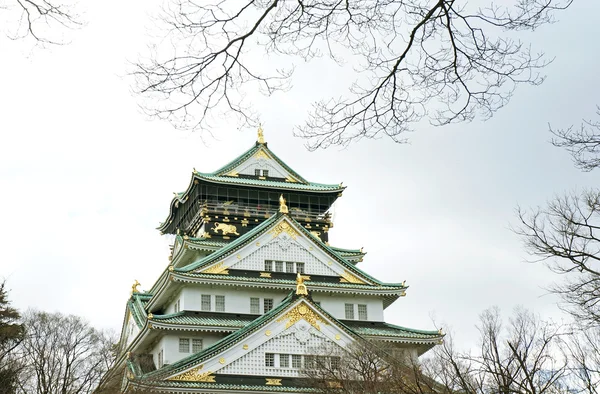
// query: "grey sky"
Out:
[85,178]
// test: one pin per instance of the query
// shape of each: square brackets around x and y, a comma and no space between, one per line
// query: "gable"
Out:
[285,243]
[262,159]
[300,329]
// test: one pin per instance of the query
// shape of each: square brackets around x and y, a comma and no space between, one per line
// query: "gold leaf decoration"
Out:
[217,269]
[283,227]
[194,375]
[261,155]
[299,312]
[273,382]
[348,277]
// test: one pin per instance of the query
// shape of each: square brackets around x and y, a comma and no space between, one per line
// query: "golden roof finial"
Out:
[134,288]
[300,286]
[261,136]
[282,207]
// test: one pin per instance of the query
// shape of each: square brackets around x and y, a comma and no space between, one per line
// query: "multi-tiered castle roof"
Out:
[253,287]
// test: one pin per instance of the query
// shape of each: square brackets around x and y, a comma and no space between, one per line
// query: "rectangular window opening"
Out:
[284,360]
[267,305]
[265,173]
[256,172]
[220,303]
[296,361]
[279,266]
[269,360]
[349,309]
[205,302]
[184,345]
[289,267]
[255,305]
[268,265]
[362,312]
[300,268]
[196,345]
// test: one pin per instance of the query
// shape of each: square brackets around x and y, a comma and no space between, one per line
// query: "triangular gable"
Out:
[283,240]
[297,325]
[260,158]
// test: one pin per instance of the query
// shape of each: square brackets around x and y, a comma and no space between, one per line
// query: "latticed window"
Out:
[279,266]
[205,306]
[269,360]
[296,361]
[335,362]
[268,304]
[256,172]
[362,312]
[289,267]
[196,345]
[284,360]
[255,305]
[177,306]
[265,173]
[160,359]
[309,361]
[268,265]
[300,267]
[220,303]
[349,308]
[184,345]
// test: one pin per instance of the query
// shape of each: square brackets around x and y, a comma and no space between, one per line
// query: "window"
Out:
[335,362]
[220,303]
[265,173]
[309,361]
[160,359]
[296,361]
[256,172]
[177,306]
[284,360]
[300,267]
[289,267]
[205,302]
[184,345]
[267,305]
[279,266]
[196,345]
[349,308]
[362,312]
[269,360]
[268,265]
[255,305]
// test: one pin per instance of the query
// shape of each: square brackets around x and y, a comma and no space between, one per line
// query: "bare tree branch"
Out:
[436,60]
[43,21]
[583,144]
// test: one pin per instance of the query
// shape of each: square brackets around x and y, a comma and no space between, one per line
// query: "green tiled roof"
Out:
[225,320]
[293,282]
[311,186]
[390,330]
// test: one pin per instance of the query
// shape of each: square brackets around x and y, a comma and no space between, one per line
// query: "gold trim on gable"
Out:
[349,278]
[283,227]
[217,269]
[302,312]
[194,375]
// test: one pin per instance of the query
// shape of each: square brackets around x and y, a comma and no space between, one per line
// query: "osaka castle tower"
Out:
[253,289]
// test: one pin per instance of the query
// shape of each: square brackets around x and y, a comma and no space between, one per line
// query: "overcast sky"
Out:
[85,178]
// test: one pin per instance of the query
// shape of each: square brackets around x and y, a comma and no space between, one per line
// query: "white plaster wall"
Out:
[248,167]
[334,305]
[236,300]
[170,344]
[171,305]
